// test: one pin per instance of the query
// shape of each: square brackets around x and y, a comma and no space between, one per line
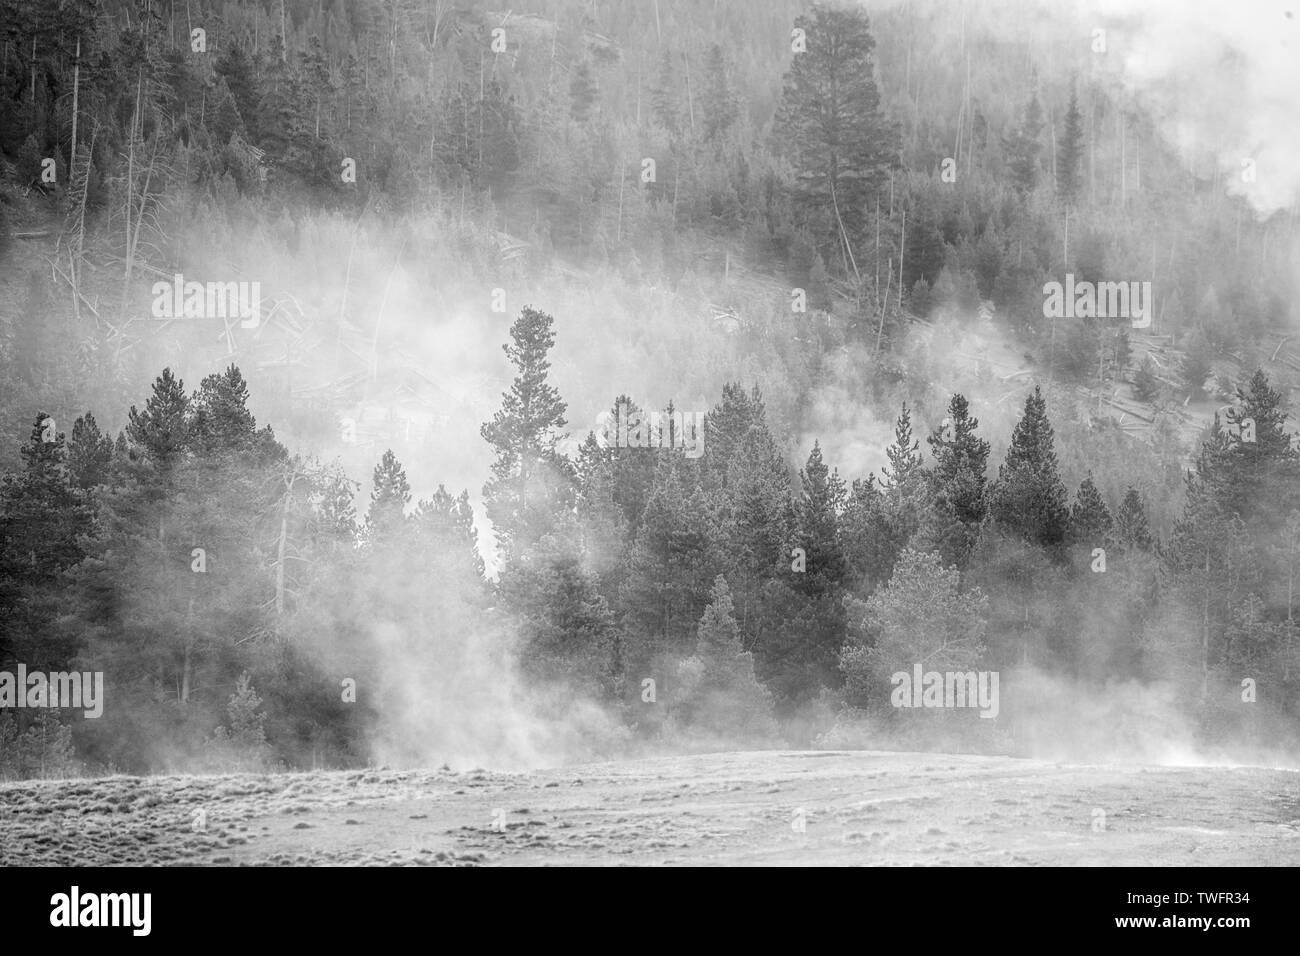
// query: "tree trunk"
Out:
[76,81]
[1205,633]
[188,668]
[279,563]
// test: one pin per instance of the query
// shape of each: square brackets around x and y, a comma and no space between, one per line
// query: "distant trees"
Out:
[192,548]
[43,518]
[195,560]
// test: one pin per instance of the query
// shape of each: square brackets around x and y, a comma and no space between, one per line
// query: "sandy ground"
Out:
[766,808]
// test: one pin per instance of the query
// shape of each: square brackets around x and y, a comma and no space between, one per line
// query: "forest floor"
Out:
[752,808]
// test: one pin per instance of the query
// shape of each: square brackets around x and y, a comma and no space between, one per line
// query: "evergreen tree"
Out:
[718,100]
[905,493]
[1069,152]
[571,638]
[664,98]
[924,258]
[817,510]
[904,454]
[90,454]
[1131,527]
[582,93]
[446,527]
[718,690]
[1146,386]
[1024,146]
[1090,520]
[737,436]
[798,653]
[162,430]
[43,517]
[221,421]
[531,481]
[236,70]
[1028,497]
[957,486]
[336,513]
[960,463]
[667,571]
[988,260]
[830,116]
[388,499]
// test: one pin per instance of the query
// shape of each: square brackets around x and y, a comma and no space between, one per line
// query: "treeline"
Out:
[244,613]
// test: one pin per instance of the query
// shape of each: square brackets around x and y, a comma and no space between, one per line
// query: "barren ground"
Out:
[858,808]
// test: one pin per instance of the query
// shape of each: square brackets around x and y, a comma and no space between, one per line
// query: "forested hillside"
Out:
[386,513]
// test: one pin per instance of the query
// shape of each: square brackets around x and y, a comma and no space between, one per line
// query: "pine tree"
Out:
[582,93]
[1090,520]
[571,639]
[665,582]
[870,543]
[960,463]
[1070,152]
[956,486]
[988,260]
[1131,527]
[531,481]
[797,652]
[719,692]
[1146,386]
[718,100]
[1028,497]
[45,748]
[1262,404]
[43,518]
[90,454]
[926,250]
[830,116]
[664,98]
[904,454]
[235,68]
[1197,362]
[446,527]
[388,499]
[336,514]
[162,430]
[221,420]
[817,510]
[737,427]
[1024,146]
